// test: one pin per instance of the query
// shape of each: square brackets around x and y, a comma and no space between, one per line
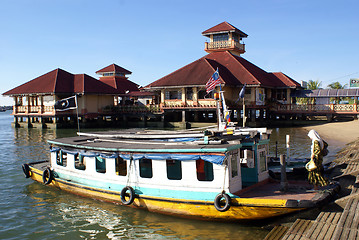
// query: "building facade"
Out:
[34,100]
[182,94]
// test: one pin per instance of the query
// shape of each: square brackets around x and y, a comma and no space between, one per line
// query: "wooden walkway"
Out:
[329,224]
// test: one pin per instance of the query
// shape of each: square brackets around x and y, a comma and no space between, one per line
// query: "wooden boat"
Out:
[214,177]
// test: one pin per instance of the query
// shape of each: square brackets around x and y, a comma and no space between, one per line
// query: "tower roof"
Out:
[113,68]
[222,28]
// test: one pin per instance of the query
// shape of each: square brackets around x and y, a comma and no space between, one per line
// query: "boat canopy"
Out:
[213,158]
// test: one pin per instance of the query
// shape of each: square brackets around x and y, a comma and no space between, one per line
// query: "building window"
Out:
[146,168]
[281,94]
[174,169]
[171,95]
[189,93]
[100,165]
[80,162]
[235,38]
[204,170]
[220,37]
[121,167]
[61,158]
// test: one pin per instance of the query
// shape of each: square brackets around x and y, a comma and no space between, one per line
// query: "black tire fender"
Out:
[127,192]
[47,176]
[26,170]
[227,202]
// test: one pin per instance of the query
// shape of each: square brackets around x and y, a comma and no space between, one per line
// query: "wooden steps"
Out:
[277,233]
[324,226]
[298,230]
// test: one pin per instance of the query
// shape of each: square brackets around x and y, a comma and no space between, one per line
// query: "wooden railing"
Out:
[33,109]
[201,103]
[224,44]
[317,108]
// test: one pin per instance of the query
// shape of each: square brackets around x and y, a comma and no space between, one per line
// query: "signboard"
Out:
[354,82]
[260,96]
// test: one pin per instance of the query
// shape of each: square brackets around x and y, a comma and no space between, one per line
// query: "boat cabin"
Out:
[178,167]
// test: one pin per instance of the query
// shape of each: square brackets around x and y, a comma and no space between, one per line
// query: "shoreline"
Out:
[340,132]
[338,135]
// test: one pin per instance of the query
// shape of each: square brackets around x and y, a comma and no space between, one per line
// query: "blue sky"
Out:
[315,40]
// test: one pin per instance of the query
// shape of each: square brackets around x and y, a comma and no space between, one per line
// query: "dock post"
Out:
[288,148]
[283,174]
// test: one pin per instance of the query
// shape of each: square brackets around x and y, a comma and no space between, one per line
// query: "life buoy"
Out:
[26,170]
[127,192]
[47,176]
[227,202]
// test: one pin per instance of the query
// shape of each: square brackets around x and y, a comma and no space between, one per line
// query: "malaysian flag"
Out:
[213,82]
[66,104]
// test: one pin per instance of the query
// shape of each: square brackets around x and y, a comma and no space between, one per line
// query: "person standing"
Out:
[315,176]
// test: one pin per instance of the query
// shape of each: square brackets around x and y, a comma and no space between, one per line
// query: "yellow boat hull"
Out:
[241,208]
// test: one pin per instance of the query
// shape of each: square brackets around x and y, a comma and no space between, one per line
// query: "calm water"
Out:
[30,210]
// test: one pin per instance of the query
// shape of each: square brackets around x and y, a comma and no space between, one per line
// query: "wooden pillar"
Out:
[163,92]
[183,116]
[16,121]
[195,96]
[29,124]
[183,96]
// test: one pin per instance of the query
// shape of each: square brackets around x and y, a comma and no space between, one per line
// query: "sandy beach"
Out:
[340,132]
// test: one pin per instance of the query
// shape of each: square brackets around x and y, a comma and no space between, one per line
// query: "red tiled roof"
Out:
[114,68]
[233,71]
[60,81]
[46,83]
[288,81]
[224,27]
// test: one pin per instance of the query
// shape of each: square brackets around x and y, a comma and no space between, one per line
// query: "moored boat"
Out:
[214,177]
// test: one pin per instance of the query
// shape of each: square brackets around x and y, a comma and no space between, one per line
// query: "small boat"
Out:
[212,178]
[216,174]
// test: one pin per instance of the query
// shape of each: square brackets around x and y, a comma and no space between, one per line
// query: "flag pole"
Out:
[77,113]
[244,113]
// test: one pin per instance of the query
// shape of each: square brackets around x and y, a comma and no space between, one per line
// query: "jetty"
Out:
[340,219]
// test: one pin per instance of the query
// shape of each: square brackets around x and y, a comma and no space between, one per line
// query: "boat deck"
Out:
[298,190]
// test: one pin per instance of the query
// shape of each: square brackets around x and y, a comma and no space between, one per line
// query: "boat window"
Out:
[234,165]
[146,168]
[247,158]
[61,158]
[100,165]
[121,167]
[80,162]
[174,169]
[204,170]
[262,158]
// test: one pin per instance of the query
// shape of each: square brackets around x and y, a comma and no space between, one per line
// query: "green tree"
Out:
[337,85]
[312,85]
